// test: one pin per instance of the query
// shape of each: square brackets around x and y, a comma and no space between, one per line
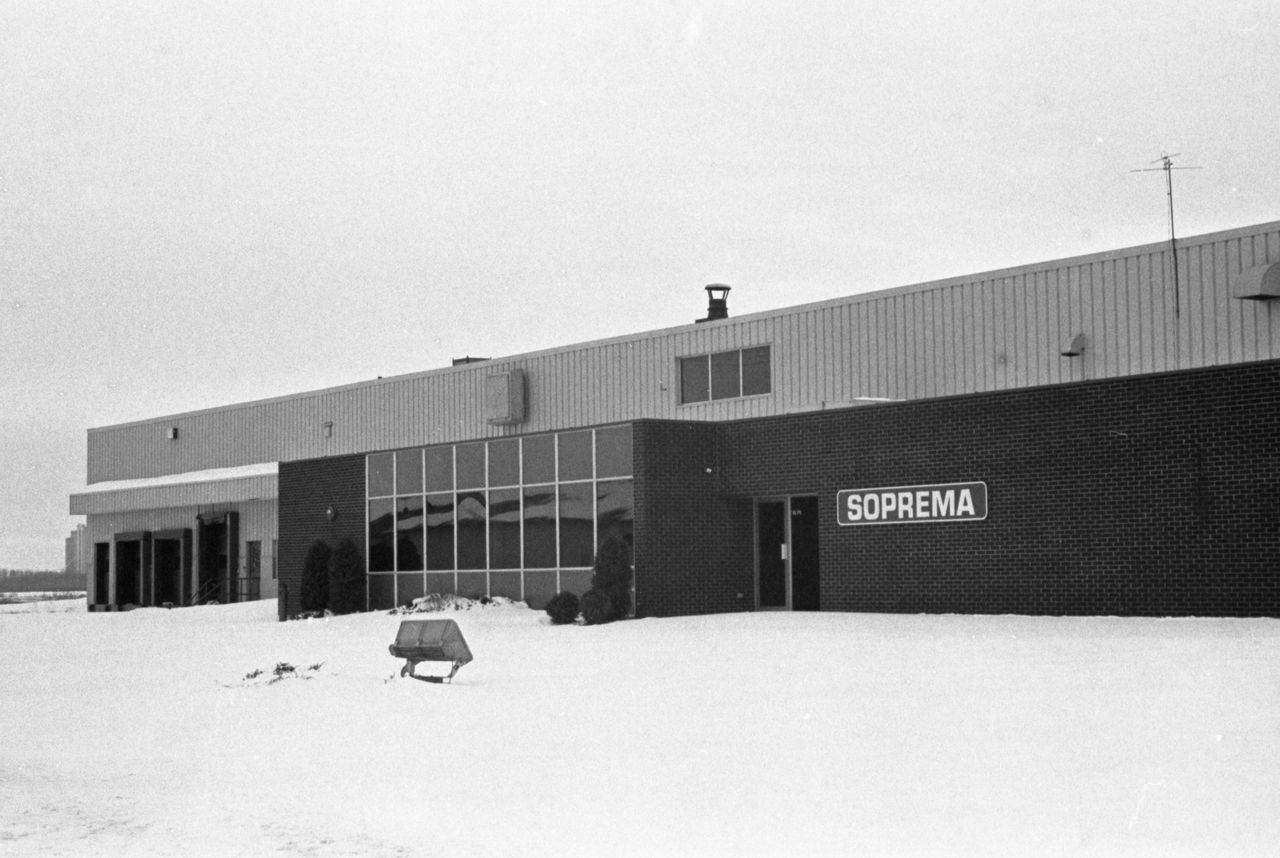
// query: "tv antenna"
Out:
[1166,166]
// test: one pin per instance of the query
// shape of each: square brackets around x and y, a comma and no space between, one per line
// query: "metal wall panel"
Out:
[998,330]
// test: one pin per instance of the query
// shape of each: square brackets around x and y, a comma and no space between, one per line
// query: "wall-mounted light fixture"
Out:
[330,513]
[1074,347]
[1259,283]
[171,433]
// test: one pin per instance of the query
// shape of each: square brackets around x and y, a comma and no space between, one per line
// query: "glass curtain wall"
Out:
[517,517]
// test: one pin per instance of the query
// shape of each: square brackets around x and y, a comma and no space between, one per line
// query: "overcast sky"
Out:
[209,202]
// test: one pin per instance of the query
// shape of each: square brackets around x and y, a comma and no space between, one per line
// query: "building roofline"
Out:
[861,297]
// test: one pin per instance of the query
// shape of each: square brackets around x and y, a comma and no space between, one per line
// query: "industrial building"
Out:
[1085,436]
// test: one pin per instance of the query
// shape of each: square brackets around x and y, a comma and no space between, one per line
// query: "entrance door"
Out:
[771,555]
[787,553]
[804,554]
[219,562]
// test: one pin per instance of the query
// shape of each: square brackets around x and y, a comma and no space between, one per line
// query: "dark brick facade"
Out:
[693,542]
[307,490]
[1147,495]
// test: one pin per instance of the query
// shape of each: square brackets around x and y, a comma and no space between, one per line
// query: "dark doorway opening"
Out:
[129,572]
[804,554]
[101,594]
[771,554]
[219,564]
[787,568]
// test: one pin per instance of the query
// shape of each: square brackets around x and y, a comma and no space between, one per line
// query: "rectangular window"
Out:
[408,472]
[577,525]
[439,469]
[409,538]
[575,455]
[470,468]
[504,462]
[695,379]
[725,375]
[504,528]
[756,371]
[382,475]
[440,533]
[613,451]
[615,510]
[540,459]
[540,528]
[472,553]
[382,549]
[726,380]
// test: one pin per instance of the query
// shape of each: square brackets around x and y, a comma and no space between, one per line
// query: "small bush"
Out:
[612,574]
[563,608]
[315,577]
[346,579]
[596,607]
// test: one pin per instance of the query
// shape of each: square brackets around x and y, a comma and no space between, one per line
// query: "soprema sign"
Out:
[912,504]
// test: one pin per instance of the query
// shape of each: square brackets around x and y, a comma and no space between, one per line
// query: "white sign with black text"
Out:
[912,504]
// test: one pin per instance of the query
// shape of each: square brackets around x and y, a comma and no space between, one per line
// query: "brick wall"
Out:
[692,542]
[1155,495]
[307,490]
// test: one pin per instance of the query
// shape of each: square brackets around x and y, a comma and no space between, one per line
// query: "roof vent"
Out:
[717,302]
[468,359]
[1259,283]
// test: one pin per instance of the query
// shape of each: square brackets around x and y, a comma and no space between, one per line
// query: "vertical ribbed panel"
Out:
[988,332]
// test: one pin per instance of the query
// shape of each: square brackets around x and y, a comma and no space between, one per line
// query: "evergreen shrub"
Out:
[315,577]
[596,607]
[563,608]
[346,579]
[612,574]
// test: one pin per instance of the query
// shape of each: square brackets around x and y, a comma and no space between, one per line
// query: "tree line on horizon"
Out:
[31,580]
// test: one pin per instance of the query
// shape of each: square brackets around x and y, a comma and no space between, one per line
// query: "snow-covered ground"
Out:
[752,734]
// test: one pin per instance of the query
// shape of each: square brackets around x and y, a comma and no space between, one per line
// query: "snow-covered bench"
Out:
[430,640]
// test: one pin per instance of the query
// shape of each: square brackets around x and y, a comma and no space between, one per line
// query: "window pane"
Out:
[409,534]
[575,455]
[440,532]
[504,462]
[439,469]
[725,382]
[504,529]
[471,465]
[408,472]
[613,452]
[539,528]
[540,459]
[380,475]
[693,379]
[471,538]
[615,510]
[382,556]
[755,371]
[577,531]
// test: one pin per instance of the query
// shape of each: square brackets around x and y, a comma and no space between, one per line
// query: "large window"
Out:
[533,506]
[725,375]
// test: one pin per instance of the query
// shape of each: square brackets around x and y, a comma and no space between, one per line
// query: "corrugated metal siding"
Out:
[988,332]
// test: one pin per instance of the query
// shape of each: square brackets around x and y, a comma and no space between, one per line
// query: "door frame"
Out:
[788,542]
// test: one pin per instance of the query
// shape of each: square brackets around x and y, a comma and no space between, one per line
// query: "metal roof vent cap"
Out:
[1259,283]
[717,302]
